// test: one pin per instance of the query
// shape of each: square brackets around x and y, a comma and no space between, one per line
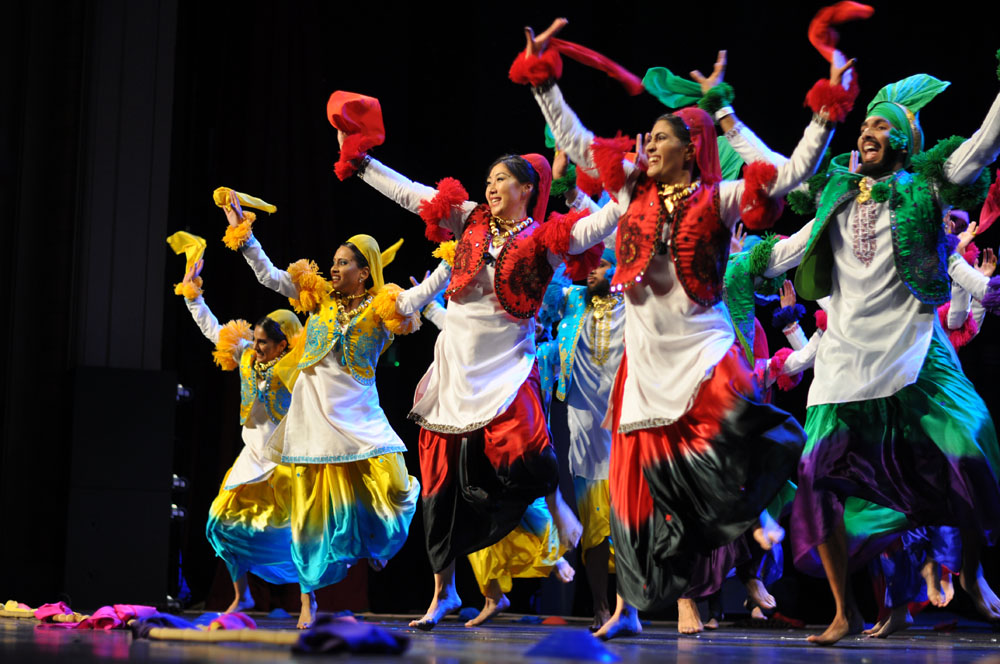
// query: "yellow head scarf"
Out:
[288,322]
[377,260]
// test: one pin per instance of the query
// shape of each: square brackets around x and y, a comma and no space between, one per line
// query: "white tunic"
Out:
[673,343]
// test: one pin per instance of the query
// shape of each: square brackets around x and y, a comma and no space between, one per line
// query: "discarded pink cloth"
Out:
[46,611]
[133,611]
[115,617]
[233,621]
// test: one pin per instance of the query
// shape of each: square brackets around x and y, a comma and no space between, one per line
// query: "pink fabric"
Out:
[137,611]
[104,618]
[233,621]
[991,208]
[821,32]
[46,611]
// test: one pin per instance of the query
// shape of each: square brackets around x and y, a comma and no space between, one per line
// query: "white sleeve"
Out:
[413,299]
[788,253]
[204,318]
[750,147]
[958,311]
[795,336]
[268,275]
[595,227]
[800,360]
[583,202]
[569,132]
[978,152]
[802,164]
[410,194]
[968,277]
[978,314]
[436,314]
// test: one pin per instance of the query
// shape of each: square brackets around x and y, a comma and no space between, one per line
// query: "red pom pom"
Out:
[834,99]
[963,335]
[349,151]
[450,193]
[536,69]
[588,185]
[554,234]
[972,254]
[821,320]
[774,369]
[757,208]
[578,266]
[608,154]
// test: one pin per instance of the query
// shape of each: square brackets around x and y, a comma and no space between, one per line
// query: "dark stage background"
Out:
[117,121]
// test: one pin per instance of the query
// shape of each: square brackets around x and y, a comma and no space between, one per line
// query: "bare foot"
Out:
[495,602]
[439,608]
[757,614]
[986,601]
[688,618]
[931,572]
[838,629]
[711,623]
[759,597]
[566,522]
[899,618]
[601,616]
[564,571]
[377,564]
[308,613]
[769,532]
[948,586]
[243,599]
[625,622]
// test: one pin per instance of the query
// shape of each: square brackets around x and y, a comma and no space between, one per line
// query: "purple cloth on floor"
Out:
[46,611]
[233,621]
[140,629]
[330,635]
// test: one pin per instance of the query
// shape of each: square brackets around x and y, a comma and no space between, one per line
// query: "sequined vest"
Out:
[275,399]
[699,241]
[919,247]
[522,270]
[362,342]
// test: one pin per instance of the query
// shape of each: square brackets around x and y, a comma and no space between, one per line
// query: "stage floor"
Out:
[507,640]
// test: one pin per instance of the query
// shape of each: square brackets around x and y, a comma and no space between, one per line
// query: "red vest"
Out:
[699,241]
[522,271]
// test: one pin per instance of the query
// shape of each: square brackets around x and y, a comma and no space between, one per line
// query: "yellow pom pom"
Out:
[446,252]
[384,306]
[312,288]
[232,336]
[191,290]
[236,236]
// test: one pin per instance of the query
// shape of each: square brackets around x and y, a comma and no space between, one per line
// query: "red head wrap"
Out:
[706,148]
[544,170]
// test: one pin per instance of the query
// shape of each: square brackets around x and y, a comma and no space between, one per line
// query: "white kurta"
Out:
[252,464]
[483,355]
[673,344]
[588,398]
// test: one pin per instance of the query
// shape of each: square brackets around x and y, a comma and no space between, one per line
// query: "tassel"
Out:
[834,99]
[963,335]
[758,209]
[450,194]
[384,306]
[609,154]
[446,252]
[236,236]
[232,337]
[774,369]
[536,69]
[312,288]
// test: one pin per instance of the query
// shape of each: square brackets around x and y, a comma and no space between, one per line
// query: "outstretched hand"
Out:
[966,237]
[987,262]
[417,283]
[641,158]
[738,238]
[234,212]
[538,44]
[855,165]
[840,70]
[718,74]
[788,297]
[194,272]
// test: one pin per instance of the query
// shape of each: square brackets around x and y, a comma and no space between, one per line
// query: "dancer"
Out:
[248,522]
[352,497]
[888,401]
[485,449]
[676,404]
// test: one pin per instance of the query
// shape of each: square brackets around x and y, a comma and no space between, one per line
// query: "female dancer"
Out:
[352,497]
[248,522]
[695,457]
[485,450]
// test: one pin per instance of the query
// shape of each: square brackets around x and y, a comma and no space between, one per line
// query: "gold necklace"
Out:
[261,370]
[866,190]
[600,330]
[345,317]
[673,194]
[498,238]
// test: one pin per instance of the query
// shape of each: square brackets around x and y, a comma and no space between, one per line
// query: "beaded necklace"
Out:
[600,331]
[500,238]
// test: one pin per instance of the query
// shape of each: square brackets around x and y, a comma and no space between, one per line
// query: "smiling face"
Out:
[346,276]
[597,281]
[266,349]
[506,195]
[670,158]
[877,154]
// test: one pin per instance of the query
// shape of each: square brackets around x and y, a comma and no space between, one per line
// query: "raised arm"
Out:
[202,315]
[788,253]
[978,152]
[412,300]
[268,275]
